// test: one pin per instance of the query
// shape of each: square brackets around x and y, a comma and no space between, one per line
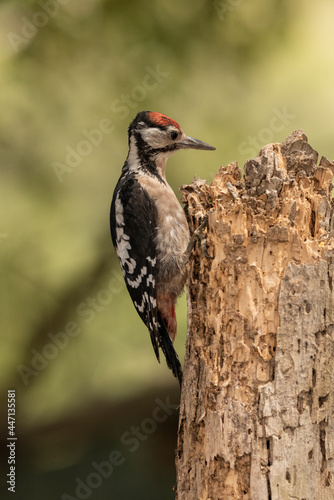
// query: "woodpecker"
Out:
[149,229]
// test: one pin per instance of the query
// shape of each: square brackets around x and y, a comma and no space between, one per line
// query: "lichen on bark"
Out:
[257,403]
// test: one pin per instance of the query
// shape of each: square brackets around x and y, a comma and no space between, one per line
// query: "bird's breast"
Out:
[172,232]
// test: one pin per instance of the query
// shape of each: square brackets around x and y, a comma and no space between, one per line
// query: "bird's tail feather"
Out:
[153,334]
[167,347]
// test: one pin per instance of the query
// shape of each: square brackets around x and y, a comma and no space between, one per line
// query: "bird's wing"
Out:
[133,221]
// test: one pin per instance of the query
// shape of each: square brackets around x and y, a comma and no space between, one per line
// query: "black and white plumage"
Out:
[149,228]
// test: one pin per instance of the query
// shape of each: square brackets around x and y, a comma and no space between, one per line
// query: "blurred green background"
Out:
[235,73]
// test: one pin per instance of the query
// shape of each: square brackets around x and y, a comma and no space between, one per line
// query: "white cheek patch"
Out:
[155,137]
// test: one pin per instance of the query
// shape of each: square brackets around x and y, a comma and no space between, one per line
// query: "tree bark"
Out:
[257,404]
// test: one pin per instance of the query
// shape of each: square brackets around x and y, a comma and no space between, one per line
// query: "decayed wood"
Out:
[257,403]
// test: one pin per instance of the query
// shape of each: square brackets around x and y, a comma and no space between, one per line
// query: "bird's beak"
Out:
[191,143]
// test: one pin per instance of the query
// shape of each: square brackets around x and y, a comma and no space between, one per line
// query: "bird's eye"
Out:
[174,135]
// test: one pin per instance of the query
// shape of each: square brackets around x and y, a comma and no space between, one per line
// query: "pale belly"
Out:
[172,236]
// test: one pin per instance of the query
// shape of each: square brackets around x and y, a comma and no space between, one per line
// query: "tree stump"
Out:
[257,404]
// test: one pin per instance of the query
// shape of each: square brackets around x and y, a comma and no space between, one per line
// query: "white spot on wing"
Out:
[150,279]
[135,283]
[123,240]
[144,301]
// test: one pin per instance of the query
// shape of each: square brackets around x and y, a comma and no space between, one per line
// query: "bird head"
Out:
[154,137]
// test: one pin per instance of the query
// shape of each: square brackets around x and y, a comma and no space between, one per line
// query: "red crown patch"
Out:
[162,120]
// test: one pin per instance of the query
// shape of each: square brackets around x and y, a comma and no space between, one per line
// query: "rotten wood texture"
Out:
[256,417]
